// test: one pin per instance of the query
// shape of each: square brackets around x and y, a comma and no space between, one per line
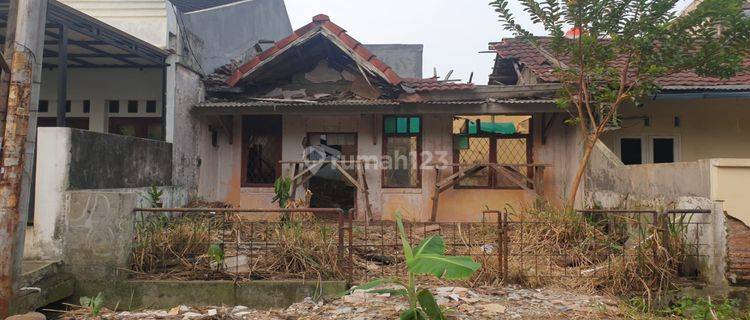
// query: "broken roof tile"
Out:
[433,84]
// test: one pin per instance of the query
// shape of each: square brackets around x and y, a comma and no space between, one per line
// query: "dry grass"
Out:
[620,255]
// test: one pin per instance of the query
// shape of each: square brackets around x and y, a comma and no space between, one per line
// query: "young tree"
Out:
[617,49]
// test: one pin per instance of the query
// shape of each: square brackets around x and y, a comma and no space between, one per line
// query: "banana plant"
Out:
[94,305]
[426,258]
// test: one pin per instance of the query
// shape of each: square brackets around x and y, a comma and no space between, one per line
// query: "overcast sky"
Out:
[452,31]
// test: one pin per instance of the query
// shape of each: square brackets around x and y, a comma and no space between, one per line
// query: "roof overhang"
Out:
[378,107]
[91,42]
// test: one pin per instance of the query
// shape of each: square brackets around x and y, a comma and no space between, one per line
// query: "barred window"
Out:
[491,139]
[401,151]
[261,150]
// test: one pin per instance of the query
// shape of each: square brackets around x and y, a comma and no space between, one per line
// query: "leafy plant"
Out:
[281,188]
[618,49]
[94,305]
[154,195]
[217,253]
[706,308]
[426,258]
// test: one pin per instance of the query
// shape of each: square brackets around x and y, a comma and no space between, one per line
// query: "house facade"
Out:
[320,94]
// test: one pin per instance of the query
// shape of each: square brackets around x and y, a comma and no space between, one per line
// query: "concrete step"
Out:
[42,283]
[33,271]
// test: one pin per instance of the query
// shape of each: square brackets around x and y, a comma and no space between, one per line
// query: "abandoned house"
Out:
[429,149]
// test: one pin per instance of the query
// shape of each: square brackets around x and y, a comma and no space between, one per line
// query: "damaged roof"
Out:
[541,65]
[320,25]
[233,74]
[433,84]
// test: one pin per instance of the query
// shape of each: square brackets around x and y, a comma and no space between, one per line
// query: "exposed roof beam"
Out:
[90,27]
[92,43]
[88,47]
[105,66]
[54,54]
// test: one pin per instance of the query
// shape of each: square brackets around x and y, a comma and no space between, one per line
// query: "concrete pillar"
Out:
[715,267]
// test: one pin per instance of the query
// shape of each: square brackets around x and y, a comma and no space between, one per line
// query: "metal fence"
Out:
[239,244]
[327,244]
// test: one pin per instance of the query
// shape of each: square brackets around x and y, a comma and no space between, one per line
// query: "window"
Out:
[664,149]
[132,106]
[43,106]
[401,148]
[261,150]
[648,149]
[151,106]
[493,139]
[86,106]
[67,106]
[631,150]
[113,106]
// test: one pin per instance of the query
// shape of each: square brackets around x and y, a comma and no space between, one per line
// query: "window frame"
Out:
[384,139]
[494,137]
[644,148]
[675,147]
[133,106]
[647,147]
[244,183]
[113,104]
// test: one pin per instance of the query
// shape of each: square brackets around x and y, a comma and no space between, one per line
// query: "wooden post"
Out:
[25,64]
[435,196]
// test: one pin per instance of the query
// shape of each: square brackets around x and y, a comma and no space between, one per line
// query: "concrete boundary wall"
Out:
[610,184]
[126,166]
[682,185]
[108,161]
[139,294]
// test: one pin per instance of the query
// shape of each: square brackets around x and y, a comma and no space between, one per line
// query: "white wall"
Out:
[53,159]
[46,238]
[144,19]
[184,130]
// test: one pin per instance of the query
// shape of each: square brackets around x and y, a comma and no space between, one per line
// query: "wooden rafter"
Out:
[299,177]
[509,171]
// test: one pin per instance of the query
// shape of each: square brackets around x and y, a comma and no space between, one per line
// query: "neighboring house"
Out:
[668,127]
[689,140]
[319,91]
[112,78]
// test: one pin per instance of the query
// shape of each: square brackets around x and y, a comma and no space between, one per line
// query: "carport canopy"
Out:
[76,40]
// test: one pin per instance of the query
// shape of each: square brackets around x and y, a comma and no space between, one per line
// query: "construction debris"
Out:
[508,302]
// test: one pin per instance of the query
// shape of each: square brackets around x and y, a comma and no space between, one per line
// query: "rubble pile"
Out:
[509,302]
